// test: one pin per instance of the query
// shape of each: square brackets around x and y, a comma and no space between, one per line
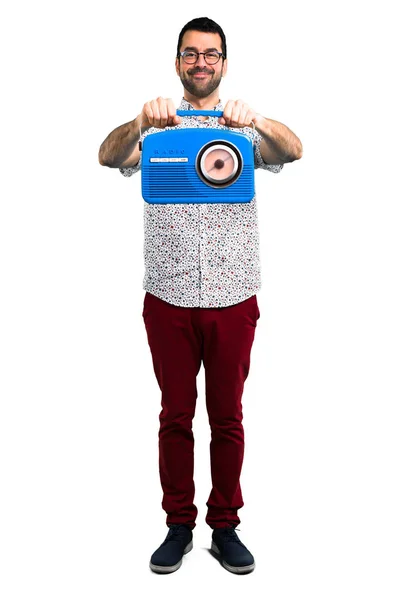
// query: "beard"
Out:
[200,89]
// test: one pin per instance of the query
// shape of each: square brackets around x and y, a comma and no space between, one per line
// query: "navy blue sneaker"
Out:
[232,554]
[168,557]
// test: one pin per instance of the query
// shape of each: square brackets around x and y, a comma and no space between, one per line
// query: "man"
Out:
[202,275]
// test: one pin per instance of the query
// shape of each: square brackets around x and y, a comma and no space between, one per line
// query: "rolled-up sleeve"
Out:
[129,171]
[259,162]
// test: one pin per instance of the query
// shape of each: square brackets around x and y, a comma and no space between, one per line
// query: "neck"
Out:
[202,103]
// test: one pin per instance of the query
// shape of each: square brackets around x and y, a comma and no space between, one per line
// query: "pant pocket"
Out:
[144,305]
[258,314]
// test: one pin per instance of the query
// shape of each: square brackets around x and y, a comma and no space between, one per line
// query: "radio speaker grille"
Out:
[182,181]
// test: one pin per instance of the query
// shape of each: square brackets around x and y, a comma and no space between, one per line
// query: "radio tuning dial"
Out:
[219,164]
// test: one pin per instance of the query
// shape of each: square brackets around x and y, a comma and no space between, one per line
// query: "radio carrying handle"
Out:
[199,113]
[192,113]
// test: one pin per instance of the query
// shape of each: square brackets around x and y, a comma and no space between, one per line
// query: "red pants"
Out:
[179,339]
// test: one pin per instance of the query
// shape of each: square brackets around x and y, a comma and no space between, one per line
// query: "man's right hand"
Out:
[159,113]
[120,148]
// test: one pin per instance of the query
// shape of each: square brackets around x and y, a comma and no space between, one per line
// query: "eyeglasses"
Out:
[190,57]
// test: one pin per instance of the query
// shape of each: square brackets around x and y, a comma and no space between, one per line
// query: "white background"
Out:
[81,500]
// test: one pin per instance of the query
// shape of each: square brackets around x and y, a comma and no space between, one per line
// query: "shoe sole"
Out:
[227,566]
[171,568]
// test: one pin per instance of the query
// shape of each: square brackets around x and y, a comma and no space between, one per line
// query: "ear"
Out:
[177,66]
[225,67]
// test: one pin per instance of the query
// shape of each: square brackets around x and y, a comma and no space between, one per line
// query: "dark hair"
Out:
[203,24]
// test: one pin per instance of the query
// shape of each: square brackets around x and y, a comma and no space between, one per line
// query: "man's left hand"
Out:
[237,114]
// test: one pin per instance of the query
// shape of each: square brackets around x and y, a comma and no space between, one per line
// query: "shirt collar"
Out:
[185,105]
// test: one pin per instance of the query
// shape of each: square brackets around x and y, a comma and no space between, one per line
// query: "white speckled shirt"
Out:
[202,255]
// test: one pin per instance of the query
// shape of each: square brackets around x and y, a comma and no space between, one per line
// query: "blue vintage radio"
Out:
[204,165]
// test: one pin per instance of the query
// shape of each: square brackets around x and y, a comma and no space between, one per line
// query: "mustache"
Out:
[198,70]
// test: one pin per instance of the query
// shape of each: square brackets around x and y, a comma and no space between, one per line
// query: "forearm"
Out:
[119,144]
[279,139]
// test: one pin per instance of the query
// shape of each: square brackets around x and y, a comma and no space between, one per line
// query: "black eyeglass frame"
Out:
[220,55]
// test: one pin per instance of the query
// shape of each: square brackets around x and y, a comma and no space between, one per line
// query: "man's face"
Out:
[200,79]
